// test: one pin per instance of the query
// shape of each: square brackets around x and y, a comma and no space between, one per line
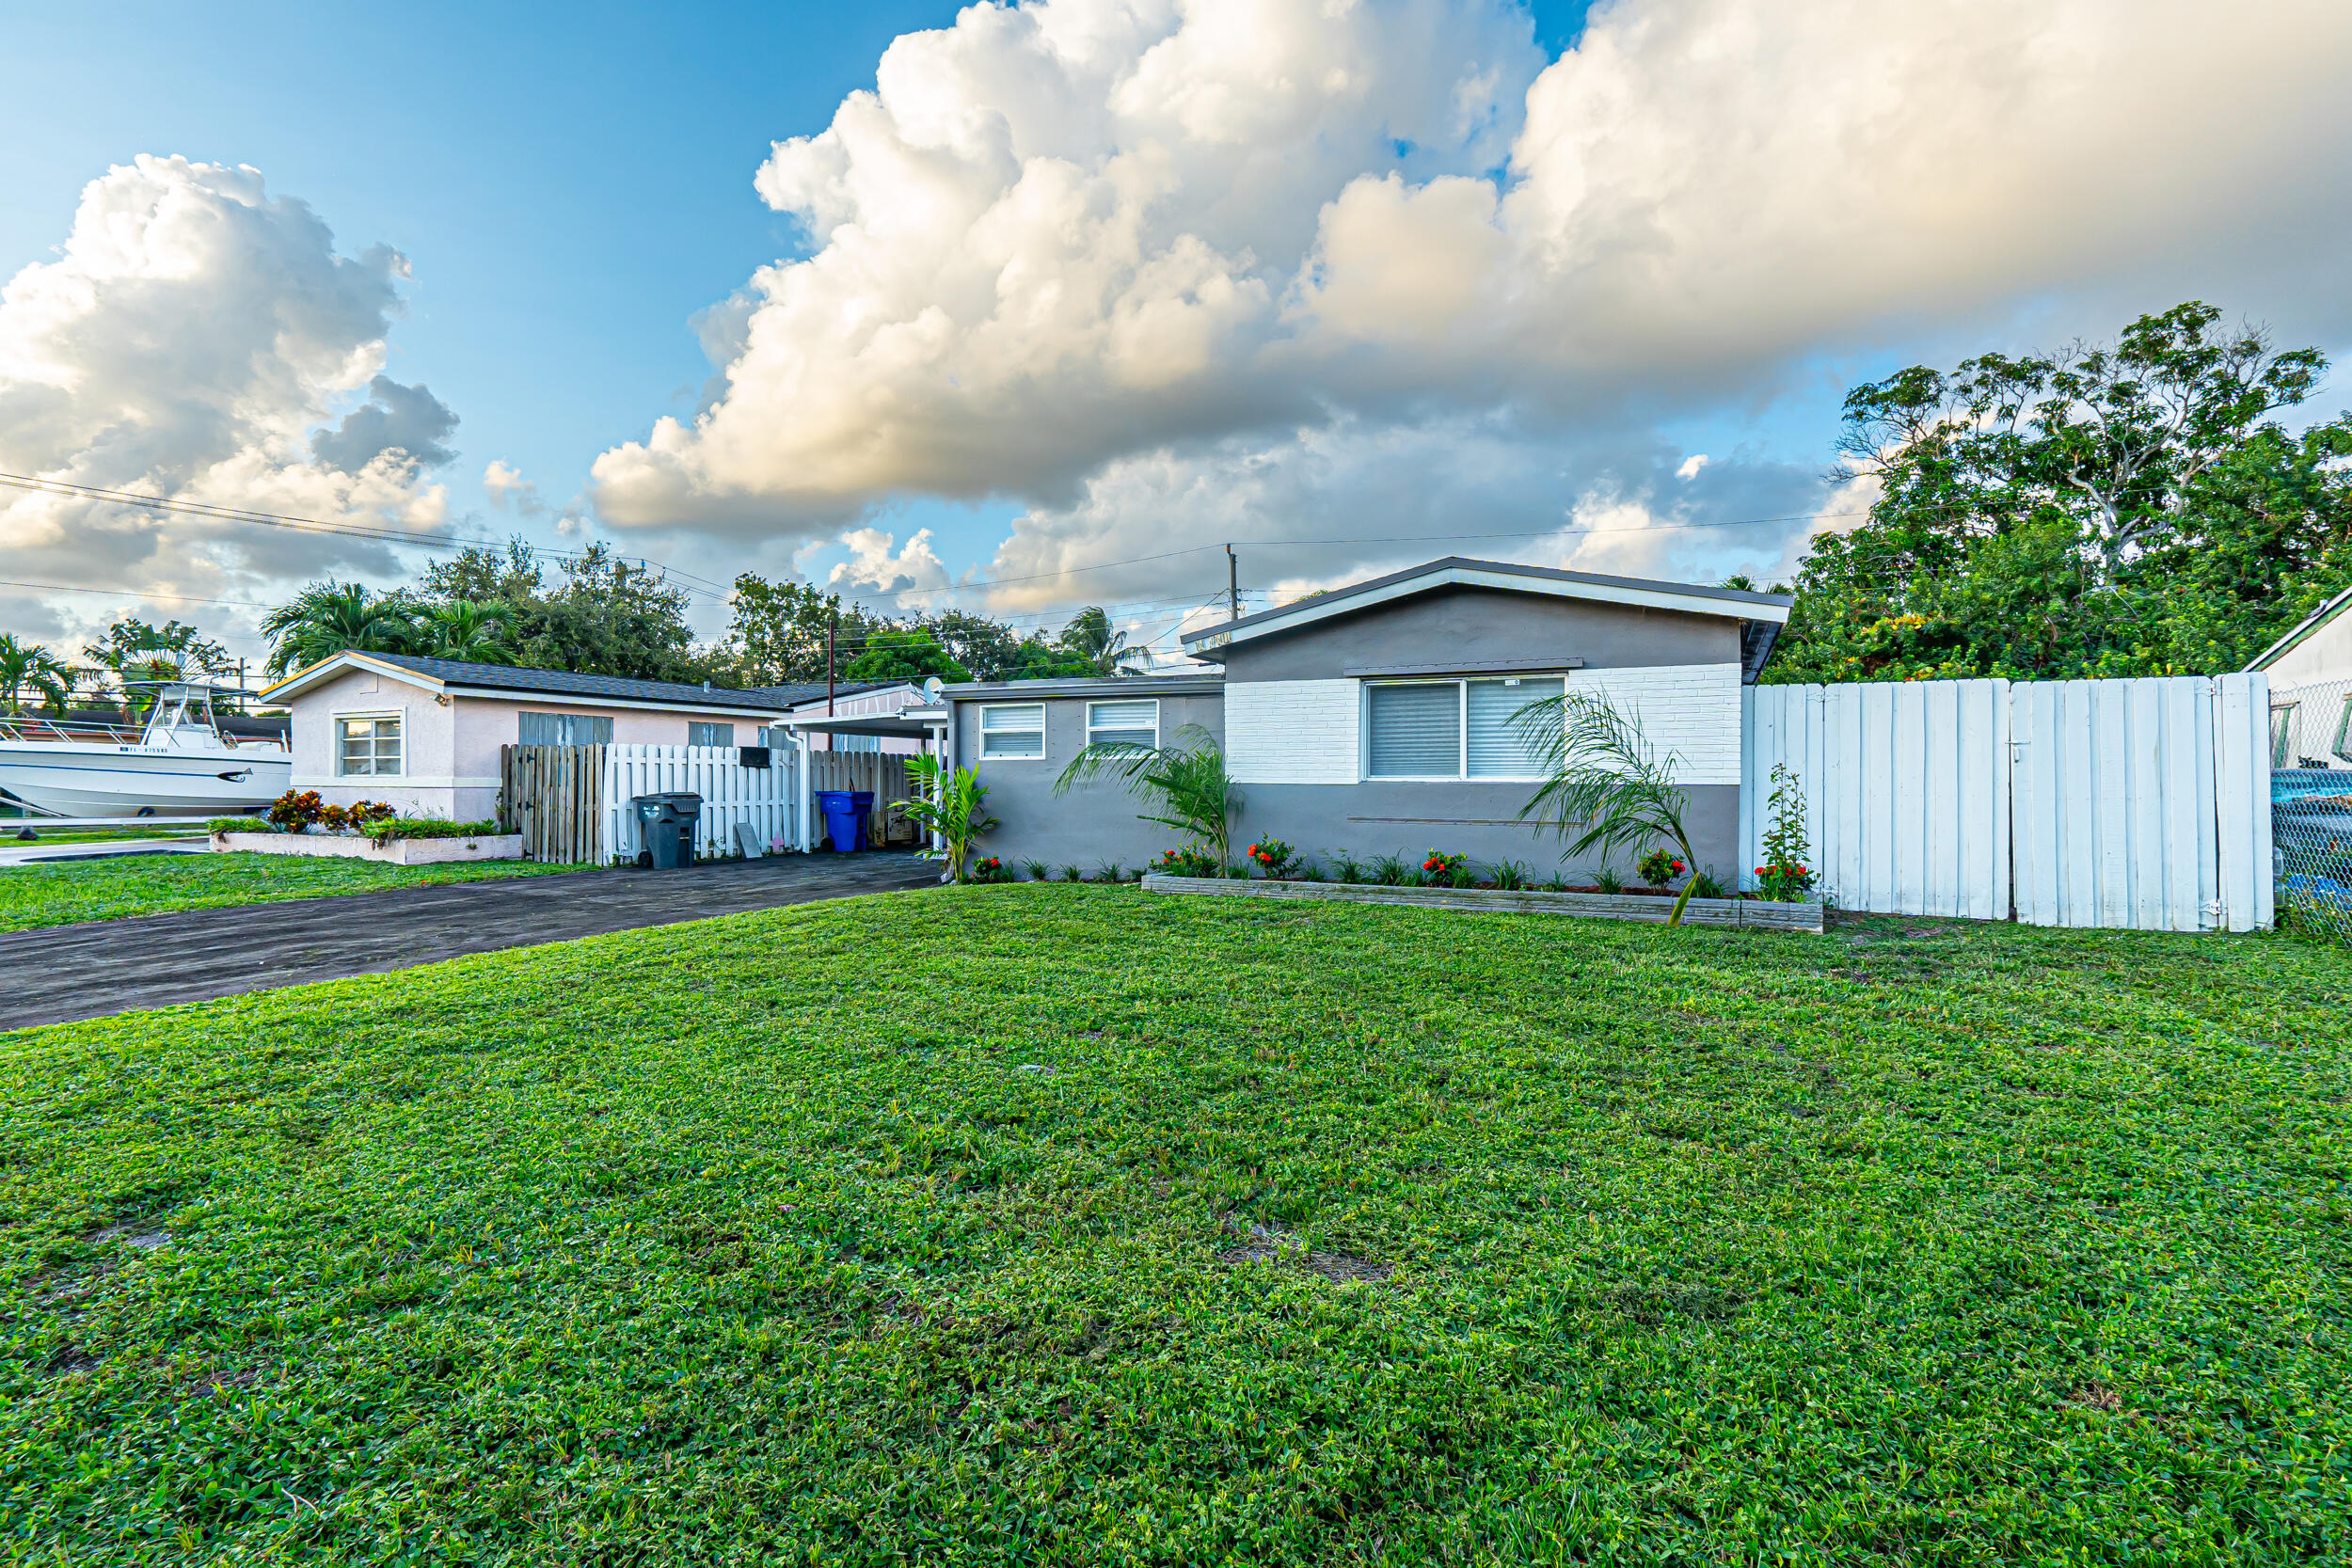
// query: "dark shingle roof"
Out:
[565,683]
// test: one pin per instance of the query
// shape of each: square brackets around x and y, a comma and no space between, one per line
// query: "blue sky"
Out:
[1746,230]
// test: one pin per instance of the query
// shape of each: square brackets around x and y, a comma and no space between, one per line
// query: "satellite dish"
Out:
[932,686]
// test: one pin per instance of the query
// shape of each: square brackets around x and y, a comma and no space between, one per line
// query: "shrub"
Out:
[1346,866]
[1555,884]
[1309,872]
[354,818]
[1704,885]
[296,809]
[1111,871]
[429,827]
[239,824]
[1784,874]
[1187,862]
[988,869]
[1660,867]
[1444,870]
[1390,871]
[1038,871]
[1514,874]
[1607,879]
[1274,857]
[1071,873]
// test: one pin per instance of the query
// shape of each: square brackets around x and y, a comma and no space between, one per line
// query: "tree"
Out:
[611,617]
[29,667]
[1090,639]
[329,618]
[1600,775]
[139,656]
[905,656]
[473,630]
[2100,511]
[1188,780]
[480,574]
[948,805]
[989,648]
[779,634]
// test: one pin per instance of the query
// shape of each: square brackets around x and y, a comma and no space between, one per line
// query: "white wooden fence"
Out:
[768,798]
[2135,803]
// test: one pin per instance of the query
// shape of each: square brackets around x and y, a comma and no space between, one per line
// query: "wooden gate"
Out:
[555,797]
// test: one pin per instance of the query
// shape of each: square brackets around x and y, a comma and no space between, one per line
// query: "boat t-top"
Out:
[181,763]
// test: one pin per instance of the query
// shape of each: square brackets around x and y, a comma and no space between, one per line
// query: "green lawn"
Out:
[1074,1225]
[62,891]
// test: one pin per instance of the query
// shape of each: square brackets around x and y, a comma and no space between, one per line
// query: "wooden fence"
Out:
[571,803]
[555,797]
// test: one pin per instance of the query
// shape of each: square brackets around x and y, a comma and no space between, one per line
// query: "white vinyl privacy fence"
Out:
[2135,803]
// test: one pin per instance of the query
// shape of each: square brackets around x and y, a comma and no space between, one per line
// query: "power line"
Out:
[133,593]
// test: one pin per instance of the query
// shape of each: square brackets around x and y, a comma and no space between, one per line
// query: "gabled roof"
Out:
[2302,629]
[460,677]
[1763,614]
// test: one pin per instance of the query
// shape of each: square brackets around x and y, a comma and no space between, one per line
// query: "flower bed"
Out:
[1601,906]
[430,847]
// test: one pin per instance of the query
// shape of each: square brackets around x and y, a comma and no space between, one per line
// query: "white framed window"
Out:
[1010,730]
[368,745]
[698,734]
[1134,721]
[2282,734]
[1452,728]
[563,729]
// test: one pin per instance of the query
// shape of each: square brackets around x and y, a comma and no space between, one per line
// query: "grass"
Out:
[63,892]
[1096,1227]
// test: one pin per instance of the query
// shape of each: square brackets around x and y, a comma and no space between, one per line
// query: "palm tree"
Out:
[1089,636]
[329,618]
[1188,780]
[1601,775]
[29,666]
[473,630]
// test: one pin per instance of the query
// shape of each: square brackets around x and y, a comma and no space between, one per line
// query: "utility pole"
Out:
[832,627]
[1232,584]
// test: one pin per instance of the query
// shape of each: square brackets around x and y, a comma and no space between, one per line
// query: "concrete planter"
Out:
[400,851]
[1597,906]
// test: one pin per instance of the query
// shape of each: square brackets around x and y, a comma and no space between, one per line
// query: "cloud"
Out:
[1155,269]
[407,420]
[506,487]
[188,339]
[911,579]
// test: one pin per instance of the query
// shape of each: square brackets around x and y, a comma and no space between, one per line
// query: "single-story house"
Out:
[424,733]
[865,700]
[2310,688]
[1374,720]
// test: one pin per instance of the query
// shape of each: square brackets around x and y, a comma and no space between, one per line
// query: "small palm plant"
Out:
[947,804]
[1601,775]
[1188,780]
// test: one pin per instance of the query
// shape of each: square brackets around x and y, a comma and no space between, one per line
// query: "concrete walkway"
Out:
[114,966]
[14,853]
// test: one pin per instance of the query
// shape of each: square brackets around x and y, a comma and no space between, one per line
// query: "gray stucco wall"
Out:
[1473,626]
[1094,822]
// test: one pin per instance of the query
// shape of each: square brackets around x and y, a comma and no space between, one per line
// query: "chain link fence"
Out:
[2311,806]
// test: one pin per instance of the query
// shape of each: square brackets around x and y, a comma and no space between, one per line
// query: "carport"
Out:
[926,727]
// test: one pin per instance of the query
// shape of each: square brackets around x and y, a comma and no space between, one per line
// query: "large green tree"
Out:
[780,631]
[28,667]
[905,656]
[329,618]
[2122,509]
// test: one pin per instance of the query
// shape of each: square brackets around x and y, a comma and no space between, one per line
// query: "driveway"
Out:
[118,966]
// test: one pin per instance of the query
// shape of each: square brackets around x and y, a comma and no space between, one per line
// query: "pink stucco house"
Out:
[424,733]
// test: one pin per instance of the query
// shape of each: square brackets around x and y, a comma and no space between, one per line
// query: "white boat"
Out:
[180,764]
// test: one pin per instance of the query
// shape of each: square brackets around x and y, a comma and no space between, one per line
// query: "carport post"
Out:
[809,796]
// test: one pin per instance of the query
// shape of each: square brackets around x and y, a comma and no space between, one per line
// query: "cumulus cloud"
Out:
[1148,265]
[189,339]
[910,579]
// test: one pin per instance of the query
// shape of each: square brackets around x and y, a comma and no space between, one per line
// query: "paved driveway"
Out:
[117,966]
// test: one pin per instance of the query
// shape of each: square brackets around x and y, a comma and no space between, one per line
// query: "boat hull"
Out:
[68,780]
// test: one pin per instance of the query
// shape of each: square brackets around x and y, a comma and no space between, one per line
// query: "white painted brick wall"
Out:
[1691,710]
[1295,732]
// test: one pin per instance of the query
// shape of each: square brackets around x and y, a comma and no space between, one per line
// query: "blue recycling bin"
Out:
[841,817]
[864,800]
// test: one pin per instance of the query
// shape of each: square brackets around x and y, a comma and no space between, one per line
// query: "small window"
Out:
[367,748]
[1414,730]
[1012,730]
[1125,722]
[563,729]
[2343,747]
[2282,736]
[709,734]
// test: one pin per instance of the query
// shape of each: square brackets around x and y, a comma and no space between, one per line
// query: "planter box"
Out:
[400,851]
[1598,906]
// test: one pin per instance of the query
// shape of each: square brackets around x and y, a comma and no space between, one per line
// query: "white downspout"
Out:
[808,799]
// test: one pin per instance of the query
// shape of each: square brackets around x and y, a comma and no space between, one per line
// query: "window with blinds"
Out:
[1414,730]
[367,748]
[1133,722]
[709,734]
[1493,744]
[1012,730]
[563,729]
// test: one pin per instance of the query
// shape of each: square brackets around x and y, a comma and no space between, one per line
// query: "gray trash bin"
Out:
[667,824]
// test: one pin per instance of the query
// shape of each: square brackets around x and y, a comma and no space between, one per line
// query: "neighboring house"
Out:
[426,734]
[1376,718]
[2310,688]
